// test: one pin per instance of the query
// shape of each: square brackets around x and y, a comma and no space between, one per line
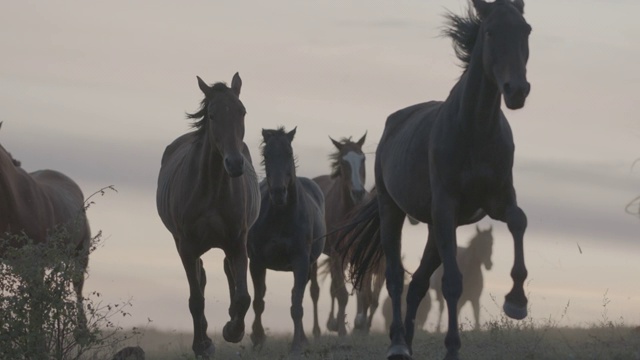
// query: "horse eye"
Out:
[488,34]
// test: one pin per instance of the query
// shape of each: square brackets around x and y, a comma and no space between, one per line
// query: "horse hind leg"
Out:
[258,275]
[419,285]
[342,295]
[82,331]
[235,268]
[375,297]
[363,297]
[202,345]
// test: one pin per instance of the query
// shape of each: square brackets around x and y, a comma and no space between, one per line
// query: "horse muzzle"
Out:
[515,94]
[234,166]
[357,196]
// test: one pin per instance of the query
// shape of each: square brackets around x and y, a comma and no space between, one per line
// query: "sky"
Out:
[97,90]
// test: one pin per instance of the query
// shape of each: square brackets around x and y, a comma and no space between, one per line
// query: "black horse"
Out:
[288,235]
[449,164]
[207,198]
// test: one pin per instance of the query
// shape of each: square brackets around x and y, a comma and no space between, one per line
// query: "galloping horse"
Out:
[42,204]
[470,260]
[288,235]
[448,164]
[208,197]
[343,190]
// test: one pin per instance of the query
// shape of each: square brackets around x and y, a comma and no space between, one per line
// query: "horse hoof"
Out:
[257,339]
[399,352]
[230,335]
[332,325]
[207,353]
[514,311]
[316,332]
[450,356]
[360,323]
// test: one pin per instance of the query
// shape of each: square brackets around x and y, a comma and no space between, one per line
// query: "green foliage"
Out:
[41,317]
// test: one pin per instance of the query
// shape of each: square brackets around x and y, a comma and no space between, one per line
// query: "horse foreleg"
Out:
[375,297]
[420,285]
[515,305]
[81,332]
[300,279]
[315,295]
[258,276]
[340,290]
[235,268]
[363,297]
[475,303]
[202,345]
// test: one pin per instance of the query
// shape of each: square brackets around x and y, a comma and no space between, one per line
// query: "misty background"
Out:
[97,90]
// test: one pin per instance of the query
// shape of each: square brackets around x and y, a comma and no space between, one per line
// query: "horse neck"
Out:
[476,98]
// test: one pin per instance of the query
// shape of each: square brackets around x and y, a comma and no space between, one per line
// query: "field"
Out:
[498,340]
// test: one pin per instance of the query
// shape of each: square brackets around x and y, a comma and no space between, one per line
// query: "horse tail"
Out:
[358,243]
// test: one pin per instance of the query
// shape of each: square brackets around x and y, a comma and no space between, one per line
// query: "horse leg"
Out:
[444,227]
[342,295]
[235,267]
[375,297]
[81,332]
[363,297]
[419,285]
[202,345]
[258,276]
[391,221]
[300,278]
[332,324]
[440,308]
[315,295]
[515,305]
[475,303]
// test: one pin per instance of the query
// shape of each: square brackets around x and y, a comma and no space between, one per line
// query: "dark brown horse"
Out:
[343,190]
[448,164]
[42,204]
[288,235]
[208,197]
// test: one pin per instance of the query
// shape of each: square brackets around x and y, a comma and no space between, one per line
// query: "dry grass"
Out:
[504,339]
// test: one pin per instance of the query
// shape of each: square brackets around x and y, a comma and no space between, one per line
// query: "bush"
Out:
[40,314]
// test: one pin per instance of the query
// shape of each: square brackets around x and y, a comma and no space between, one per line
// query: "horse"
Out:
[343,189]
[449,163]
[470,260]
[40,205]
[208,197]
[288,235]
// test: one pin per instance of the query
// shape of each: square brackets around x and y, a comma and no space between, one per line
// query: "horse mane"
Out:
[335,158]
[463,30]
[200,116]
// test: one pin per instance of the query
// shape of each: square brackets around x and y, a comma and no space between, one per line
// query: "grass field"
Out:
[503,339]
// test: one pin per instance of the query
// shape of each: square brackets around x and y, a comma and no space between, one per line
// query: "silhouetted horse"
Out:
[288,235]
[343,190]
[449,164]
[40,205]
[470,260]
[208,197]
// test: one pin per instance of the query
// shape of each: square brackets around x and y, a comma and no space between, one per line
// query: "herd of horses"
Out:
[444,163]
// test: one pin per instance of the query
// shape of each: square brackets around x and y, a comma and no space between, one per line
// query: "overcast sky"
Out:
[97,90]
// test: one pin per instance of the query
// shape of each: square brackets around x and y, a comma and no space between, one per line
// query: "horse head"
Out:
[504,37]
[349,163]
[279,163]
[223,121]
[484,240]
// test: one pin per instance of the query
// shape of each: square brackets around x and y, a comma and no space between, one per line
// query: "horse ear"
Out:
[336,143]
[203,86]
[291,134]
[361,141]
[519,4]
[266,134]
[236,84]
[482,7]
